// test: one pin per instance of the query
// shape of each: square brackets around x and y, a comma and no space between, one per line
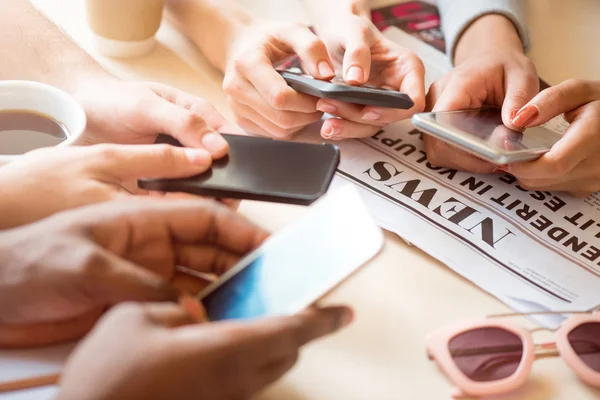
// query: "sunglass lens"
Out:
[585,341]
[487,354]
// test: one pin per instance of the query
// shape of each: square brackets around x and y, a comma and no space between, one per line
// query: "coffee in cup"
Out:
[124,28]
[34,115]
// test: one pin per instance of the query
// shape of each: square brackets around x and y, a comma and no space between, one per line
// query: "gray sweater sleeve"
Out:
[457,15]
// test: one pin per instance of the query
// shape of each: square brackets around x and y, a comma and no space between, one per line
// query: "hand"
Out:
[572,164]
[49,180]
[152,351]
[260,98]
[136,112]
[59,274]
[362,55]
[493,73]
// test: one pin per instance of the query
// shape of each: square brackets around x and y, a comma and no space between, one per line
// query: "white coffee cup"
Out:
[46,100]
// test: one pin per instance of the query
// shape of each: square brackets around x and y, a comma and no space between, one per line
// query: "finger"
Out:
[258,69]
[188,222]
[48,333]
[206,259]
[413,84]
[241,91]
[435,91]
[168,315]
[266,127]
[378,116]
[285,335]
[521,87]
[188,283]
[186,126]
[115,280]
[356,65]
[576,145]
[338,129]
[441,154]
[196,105]
[310,49]
[556,100]
[458,95]
[119,163]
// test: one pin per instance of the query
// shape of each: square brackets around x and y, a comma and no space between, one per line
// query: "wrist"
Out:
[491,33]
[321,12]
[225,18]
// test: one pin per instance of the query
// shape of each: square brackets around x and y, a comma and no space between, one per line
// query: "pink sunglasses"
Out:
[494,356]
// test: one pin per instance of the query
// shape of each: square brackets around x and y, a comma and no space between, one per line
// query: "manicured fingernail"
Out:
[325,69]
[332,131]
[214,143]
[525,116]
[355,74]
[326,107]
[197,156]
[512,115]
[371,116]
[192,307]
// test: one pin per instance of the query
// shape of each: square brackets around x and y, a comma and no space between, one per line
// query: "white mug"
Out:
[42,99]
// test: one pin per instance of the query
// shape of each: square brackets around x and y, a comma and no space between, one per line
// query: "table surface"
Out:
[403,294]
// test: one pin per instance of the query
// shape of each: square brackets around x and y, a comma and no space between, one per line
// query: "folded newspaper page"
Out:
[536,251]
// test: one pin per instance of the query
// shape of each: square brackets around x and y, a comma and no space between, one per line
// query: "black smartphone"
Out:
[339,90]
[259,169]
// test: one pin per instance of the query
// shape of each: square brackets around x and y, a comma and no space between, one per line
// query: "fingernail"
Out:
[512,115]
[326,107]
[332,131]
[355,74]
[525,116]
[193,307]
[215,144]
[371,116]
[325,69]
[197,156]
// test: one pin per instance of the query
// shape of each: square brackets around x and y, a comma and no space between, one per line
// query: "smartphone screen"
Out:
[486,125]
[260,169]
[296,267]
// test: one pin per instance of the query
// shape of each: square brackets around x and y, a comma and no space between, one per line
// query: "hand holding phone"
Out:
[259,169]
[482,133]
[296,267]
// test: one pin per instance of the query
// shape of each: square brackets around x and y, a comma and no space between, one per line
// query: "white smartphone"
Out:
[482,133]
[296,267]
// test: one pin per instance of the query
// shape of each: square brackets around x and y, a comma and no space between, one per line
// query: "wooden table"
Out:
[403,294]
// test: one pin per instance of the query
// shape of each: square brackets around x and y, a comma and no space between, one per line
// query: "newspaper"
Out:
[535,251]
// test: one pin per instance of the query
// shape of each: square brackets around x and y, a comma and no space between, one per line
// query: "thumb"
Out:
[186,126]
[167,314]
[130,162]
[520,88]
[555,100]
[357,60]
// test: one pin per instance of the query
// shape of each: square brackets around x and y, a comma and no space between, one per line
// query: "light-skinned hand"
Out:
[260,98]
[49,180]
[362,55]
[495,73]
[572,165]
[136,112]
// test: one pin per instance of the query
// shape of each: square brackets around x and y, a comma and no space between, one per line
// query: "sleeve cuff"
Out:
[456,18]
